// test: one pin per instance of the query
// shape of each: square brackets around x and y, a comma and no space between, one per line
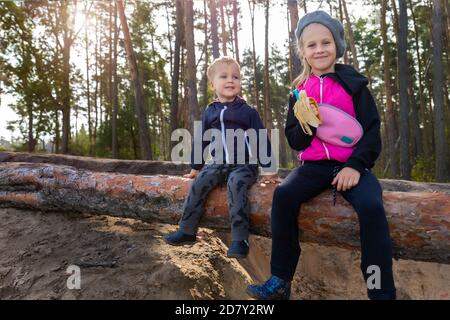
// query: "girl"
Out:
[342,160]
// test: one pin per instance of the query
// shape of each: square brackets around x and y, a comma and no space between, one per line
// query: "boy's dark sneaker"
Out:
[238,249]
[180,238]
[273,289]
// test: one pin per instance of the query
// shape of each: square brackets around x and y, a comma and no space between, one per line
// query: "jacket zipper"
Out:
[248,145]
[321,101]
[321,89]
[326,150]
[222,125]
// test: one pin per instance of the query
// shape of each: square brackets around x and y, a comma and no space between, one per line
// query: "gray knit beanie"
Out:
[334,25]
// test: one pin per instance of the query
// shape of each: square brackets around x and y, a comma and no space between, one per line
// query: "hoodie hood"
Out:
[351,80]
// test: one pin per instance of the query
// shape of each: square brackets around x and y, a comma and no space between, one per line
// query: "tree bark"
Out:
[66,91]
[251,4]
[235,30]
[100,165]
[144,137]
[438,96]
[223,33]
[293,17]
[341,15]
[176,68]
[214,33]
[419,221]
[267,111]
[392,134]
[92,150]
[351,38]
[403,80]
[204,83]
[114,91]
[191,64]
[88,82]
[426,141]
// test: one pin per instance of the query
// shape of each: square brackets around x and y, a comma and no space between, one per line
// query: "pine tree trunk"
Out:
[158,107]
[341,16]
[144,137]
[224,33]
[235,30]
[267,111]
[251,4]
[110,63]
[94,133]
[423,114]
[204,82]
[438,96]
[88,83]
[66,92]
[179,30]
[230,31]
[214,32]
[57,132]
[403,80]
[351,38]
[191,65]
[392,134]
[293,17]
[29,104]
[417,134]
[114,92]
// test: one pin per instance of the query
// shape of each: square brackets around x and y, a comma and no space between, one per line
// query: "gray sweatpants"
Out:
[239,179]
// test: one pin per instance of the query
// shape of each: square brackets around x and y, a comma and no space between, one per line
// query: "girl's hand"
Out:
[192,174]
[346,179]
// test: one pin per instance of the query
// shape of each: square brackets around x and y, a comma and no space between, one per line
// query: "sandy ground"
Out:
[127,259]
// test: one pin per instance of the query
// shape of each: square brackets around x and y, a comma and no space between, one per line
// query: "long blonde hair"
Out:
[306,67]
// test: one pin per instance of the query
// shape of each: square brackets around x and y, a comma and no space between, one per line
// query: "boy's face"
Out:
[319,48]
[226,81]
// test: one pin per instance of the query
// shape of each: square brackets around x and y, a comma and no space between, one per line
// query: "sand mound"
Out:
[127,259]
[118,258]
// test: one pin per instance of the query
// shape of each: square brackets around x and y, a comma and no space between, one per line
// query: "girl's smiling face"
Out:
[318,48]
[226,81]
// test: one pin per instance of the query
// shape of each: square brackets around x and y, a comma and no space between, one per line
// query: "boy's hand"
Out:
[272,178]
[192,174]
[346,179]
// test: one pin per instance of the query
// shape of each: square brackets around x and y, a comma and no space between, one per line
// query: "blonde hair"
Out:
[306,67]
[221,60]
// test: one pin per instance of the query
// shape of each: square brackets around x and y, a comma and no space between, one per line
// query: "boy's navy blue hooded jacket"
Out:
[369,147]
[231,115]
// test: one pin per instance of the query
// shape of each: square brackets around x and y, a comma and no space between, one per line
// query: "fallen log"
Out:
[419,220]
[98,165]
[144,167]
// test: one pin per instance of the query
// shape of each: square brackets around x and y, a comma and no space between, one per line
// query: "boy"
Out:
[227,113]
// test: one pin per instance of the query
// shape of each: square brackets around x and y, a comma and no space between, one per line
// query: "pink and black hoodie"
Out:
[347,90]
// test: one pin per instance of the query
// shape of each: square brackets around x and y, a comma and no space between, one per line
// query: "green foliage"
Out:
[80,144]
[32,38]
[424,169]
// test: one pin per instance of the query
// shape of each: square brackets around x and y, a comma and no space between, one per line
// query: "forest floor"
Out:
[127,259]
